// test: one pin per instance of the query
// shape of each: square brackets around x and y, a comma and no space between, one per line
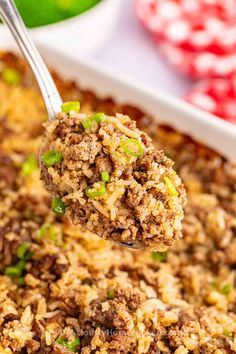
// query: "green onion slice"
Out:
[29,166]
[21,265]
[67,107]
[47,228]
[159,256]
[227,333]
[51,158]
[226,289]
[58,206]
[111,294]
[172,191]
[72,345]
[13,272]
[98,117]
[87,123]
[132,147]
[17,270]
[11,76]
[22,251]
[105,177]
[92,192]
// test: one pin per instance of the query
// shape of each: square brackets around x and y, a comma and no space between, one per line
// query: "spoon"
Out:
[12,18]
[51,96]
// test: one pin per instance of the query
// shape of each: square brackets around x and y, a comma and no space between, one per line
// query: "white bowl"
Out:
[203,127]
[84,33]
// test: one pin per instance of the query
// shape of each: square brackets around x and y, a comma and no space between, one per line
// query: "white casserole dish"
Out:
[203,127]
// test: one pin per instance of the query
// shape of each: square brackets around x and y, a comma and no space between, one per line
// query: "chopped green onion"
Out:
[21,281]
[87,123]
[29,166]
[11,76]
[67,107]
[92,192]
[51,158]
[111,294]
[132,147]
[159,256]
[98,117]
[170,187]
[58,206]
[17,270]
[72,346]
[21,265]
[13,272]
[226,289]
[227,333]
[105,176]
[22,251]
[47,228]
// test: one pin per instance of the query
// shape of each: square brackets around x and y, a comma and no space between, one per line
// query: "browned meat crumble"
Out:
[80,292]
[141,200]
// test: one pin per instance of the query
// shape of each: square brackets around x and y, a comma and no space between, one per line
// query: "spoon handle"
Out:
[12,18]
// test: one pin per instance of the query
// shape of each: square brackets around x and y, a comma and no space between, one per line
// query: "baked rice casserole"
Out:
[63,290]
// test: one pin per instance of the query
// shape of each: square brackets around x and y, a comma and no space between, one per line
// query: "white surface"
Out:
[131,50]
[84,33]
[81,34]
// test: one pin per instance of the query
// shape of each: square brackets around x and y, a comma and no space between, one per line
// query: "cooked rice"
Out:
[78,285]
[142,201]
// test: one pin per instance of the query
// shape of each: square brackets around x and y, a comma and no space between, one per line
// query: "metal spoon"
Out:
[13,20]
[128,245]
[51,97]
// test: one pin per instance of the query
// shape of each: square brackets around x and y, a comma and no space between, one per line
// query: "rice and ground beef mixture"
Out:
[108,177]
[63,290]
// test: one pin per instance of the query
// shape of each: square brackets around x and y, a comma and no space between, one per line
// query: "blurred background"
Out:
[132,50]
[186,47]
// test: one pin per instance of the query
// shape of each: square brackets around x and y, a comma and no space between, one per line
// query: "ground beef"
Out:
[142,202]
[8,172]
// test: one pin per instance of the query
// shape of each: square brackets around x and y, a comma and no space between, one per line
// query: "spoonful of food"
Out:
[102,171]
